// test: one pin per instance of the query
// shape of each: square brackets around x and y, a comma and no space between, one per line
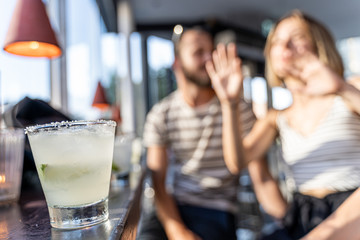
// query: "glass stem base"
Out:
[80,216]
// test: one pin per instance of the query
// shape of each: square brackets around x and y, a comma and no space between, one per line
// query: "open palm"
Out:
[225,73]
[319,78]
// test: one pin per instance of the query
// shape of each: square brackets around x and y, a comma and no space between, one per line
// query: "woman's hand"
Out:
[318,78]
[225,73]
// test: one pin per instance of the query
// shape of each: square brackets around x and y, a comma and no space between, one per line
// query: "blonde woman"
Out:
[319,132]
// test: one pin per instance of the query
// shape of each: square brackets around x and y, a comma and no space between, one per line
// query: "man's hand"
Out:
[225,73]
[183,234]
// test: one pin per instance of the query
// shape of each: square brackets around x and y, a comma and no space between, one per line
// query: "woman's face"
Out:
[291,36]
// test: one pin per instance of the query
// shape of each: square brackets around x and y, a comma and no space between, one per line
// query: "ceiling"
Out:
[342,17]
[246,17]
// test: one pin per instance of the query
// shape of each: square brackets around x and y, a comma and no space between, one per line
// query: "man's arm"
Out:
[226,76]
[342,224]
[166,208]
[231,137]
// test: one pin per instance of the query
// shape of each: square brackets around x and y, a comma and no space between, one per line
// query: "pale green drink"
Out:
[73,160]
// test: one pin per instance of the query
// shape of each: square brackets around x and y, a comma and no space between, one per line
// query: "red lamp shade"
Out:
[116,114]
[30,33]
[100,100]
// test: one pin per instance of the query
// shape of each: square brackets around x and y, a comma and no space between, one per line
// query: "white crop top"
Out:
[328,158]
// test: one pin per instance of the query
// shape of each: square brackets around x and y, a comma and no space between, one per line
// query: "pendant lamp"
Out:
[100,100]
[30,33]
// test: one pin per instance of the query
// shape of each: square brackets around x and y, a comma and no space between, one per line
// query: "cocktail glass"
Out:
[73,161]
[11,164]
[122,154]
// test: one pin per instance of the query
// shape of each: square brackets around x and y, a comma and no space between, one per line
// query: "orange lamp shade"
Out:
[100,100]
[30,33]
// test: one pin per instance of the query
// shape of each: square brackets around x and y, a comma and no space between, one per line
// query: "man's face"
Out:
[194,51]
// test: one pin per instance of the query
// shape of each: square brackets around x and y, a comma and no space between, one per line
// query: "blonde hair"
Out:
[323,42]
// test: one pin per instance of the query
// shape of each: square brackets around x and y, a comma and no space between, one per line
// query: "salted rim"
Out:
[66,124]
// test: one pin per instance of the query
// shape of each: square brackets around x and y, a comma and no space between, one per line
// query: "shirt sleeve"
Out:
[155,130]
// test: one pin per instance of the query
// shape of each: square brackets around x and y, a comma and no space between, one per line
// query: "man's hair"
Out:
[176,38]
[322,40]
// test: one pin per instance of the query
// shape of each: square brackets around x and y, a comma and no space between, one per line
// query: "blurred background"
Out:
[126,46]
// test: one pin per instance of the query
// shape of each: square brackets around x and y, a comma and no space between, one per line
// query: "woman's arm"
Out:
[351,95]
[342,224]
[256,143]
[265,186]
[262,135]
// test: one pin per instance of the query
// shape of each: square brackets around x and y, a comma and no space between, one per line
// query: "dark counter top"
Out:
[29,217]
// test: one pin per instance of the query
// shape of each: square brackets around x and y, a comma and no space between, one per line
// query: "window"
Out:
[138,83]
[282,98]
[259,96]
[84,66]
[349,49]
[160,59]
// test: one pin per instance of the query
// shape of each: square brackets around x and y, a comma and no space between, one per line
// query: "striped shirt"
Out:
[329,158]
[194,138]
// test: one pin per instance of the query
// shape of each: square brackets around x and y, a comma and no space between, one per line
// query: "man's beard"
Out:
[197,79]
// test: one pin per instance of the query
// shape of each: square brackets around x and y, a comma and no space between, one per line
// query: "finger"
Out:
[212,74]
[231,51]
[308,71]
[293,71]
[210,69]
[216,61]
[236,67]
[303,57]
[221,49]
[298,61]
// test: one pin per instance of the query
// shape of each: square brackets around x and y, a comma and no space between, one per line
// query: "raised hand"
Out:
[318,78]
[225,73]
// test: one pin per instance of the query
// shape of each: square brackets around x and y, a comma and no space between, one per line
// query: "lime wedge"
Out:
[115,167]
[62,172]
[42,168]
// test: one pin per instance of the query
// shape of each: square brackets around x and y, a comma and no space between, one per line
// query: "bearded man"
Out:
[183,136]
